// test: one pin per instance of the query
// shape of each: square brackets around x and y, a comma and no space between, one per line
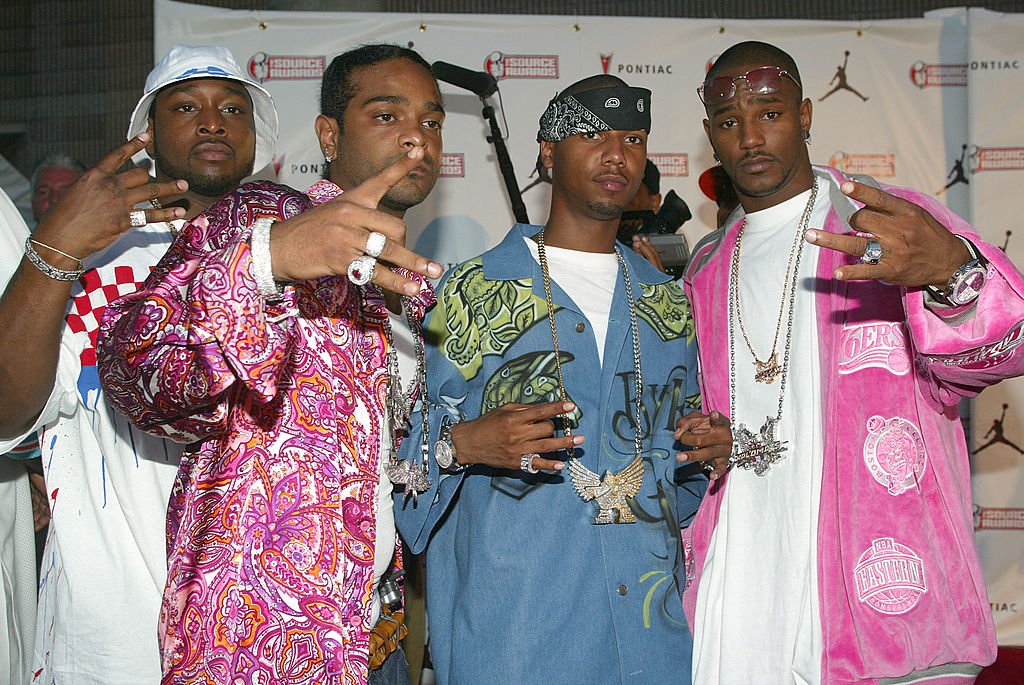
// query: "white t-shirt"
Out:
[757,617]
[104,565]
[588,278]
[17,538]
[384,547]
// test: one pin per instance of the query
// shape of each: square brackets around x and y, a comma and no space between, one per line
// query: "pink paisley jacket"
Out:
[900,585]
[271,526]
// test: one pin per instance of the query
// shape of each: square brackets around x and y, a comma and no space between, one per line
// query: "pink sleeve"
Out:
[169,355]
[969,348]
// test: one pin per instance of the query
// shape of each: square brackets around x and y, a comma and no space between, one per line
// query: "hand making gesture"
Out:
[349,232]
[901,243]
[100,206]
[513,436]
[642,246]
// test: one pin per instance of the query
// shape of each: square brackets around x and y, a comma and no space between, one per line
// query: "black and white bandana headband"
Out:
[620,108]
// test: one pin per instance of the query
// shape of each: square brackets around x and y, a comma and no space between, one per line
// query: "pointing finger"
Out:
[396,254]
[542,464]
[694,422]
[541,412]
[850,244]
[862,272]
[156,191]
[387,279]
[854,246]
[369,192]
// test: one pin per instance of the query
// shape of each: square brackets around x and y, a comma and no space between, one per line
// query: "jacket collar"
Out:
[511,259]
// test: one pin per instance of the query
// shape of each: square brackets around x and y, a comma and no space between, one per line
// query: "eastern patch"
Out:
[890,577]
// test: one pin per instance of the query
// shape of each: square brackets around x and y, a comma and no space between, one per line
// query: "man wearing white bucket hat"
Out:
[206,127]
[185,68]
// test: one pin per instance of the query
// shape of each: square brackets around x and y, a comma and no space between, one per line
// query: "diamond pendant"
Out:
[757,451]
[397,470]
[419,481]
[416,479]
[768,372]
[396,411]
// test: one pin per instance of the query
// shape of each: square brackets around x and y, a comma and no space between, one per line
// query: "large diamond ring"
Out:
[360,271]
[526,462]
[137,218]
[708,466]
[375,244]
[872,252]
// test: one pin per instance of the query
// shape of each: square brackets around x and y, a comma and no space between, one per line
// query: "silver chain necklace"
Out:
[749,450]
[611,490]
[399,404]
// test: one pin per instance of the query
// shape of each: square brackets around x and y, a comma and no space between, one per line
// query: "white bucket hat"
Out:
[184,62]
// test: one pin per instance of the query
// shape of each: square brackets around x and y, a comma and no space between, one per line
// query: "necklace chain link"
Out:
[399,405]
[634,328]
[759,451]
[768,371]
[155,203]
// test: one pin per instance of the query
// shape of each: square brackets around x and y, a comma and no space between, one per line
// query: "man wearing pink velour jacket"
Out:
[839,325]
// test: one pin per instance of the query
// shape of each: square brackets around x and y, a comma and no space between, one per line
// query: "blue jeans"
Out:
[394,671]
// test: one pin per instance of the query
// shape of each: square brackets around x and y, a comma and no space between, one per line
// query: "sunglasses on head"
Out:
[761,81]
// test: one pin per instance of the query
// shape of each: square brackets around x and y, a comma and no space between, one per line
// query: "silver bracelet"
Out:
[262,269]
[48,270]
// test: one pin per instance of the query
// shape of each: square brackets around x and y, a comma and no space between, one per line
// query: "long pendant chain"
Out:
[638,384]
[759,451]
[399,404]
[769,370]
[634,329]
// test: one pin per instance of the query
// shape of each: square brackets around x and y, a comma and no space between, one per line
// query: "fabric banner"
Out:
[991,165]
[927,103]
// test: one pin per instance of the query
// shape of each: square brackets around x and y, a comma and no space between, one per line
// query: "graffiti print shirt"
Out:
[523,586]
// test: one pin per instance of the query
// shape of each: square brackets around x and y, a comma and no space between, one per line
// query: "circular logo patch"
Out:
[890,577]
[894,453]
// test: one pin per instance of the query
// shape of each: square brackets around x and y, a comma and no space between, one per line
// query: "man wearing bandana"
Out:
[560,366]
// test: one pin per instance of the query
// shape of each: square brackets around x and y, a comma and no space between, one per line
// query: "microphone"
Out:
[479,82]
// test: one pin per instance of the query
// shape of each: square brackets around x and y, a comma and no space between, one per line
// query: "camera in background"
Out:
[649,213]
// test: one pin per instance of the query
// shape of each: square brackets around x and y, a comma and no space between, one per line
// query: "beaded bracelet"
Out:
[49,270]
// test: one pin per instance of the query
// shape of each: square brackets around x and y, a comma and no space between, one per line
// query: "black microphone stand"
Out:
[505,164]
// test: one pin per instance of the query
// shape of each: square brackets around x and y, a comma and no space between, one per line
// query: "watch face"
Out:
[443,454]
[968,285]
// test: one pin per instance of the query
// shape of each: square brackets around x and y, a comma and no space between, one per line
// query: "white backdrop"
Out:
[943,94]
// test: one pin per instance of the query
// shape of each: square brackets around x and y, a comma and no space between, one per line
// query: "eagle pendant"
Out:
[610,491]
